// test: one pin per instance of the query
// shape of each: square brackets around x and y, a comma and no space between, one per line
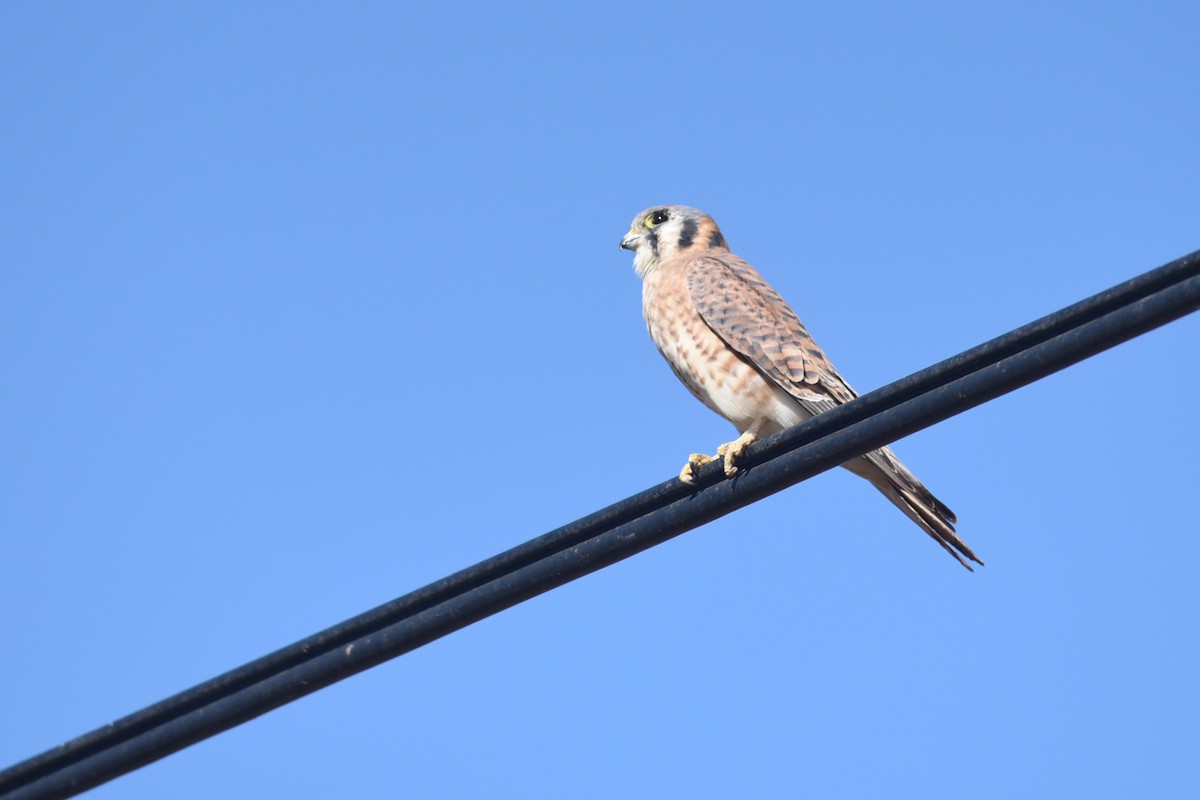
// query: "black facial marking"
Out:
[715,239]
[688,233]
[652,238]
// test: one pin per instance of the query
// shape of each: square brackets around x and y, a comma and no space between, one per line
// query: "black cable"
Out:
[612,534]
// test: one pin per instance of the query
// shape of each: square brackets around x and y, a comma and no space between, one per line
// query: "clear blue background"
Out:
[303,306]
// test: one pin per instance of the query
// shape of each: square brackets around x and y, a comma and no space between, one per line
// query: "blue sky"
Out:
[303,306]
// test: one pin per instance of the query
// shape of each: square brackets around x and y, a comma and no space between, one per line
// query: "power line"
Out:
[612,534]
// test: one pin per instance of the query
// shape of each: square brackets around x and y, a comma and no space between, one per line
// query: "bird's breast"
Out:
[712,370]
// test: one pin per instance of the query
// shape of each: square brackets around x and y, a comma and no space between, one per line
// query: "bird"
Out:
[739,347]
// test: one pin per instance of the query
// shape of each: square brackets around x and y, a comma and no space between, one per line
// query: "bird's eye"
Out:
[657,218]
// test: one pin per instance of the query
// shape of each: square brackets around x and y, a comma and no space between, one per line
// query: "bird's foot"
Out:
[729,452]
[732,451]
[694,462]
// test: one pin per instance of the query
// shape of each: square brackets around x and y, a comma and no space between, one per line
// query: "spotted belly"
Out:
[722,380]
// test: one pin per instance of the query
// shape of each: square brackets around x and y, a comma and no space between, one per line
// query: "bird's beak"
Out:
[630,242]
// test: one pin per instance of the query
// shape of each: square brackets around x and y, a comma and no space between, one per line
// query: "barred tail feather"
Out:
[889,476]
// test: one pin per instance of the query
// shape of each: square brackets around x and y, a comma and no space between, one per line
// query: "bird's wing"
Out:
[751,317]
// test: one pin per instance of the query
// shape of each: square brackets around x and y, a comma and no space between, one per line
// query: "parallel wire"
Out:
[612,534]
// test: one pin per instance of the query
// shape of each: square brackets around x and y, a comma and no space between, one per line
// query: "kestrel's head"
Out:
[661,232]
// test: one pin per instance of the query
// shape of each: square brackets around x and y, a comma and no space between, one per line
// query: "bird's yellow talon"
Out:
[695,461]
[732,451]
[728,452]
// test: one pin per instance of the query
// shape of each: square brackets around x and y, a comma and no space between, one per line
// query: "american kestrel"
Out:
[741,349]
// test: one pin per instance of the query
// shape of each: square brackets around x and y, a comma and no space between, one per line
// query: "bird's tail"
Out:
[888,475]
